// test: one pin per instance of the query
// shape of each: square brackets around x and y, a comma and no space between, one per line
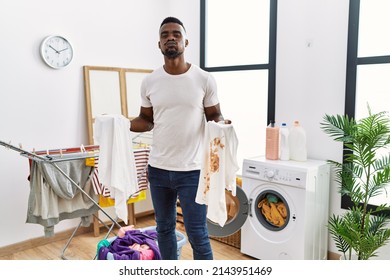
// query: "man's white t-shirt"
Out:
[178,103]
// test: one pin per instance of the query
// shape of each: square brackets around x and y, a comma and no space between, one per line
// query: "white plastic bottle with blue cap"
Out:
[284,142]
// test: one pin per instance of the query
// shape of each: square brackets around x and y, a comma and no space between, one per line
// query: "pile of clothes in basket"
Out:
[130,244]
[135,244]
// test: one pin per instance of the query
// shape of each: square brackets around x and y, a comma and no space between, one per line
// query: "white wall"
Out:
[44,108]
[310,72]
[310,76]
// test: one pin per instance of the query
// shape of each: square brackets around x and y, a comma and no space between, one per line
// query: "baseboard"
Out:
[144,214]
[39,241]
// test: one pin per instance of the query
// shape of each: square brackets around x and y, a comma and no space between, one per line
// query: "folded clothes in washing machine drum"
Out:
[274,211]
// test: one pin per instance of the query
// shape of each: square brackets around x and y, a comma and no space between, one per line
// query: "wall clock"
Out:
[56,51]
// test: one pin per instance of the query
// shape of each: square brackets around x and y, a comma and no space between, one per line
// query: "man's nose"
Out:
[171,37]
[170,40]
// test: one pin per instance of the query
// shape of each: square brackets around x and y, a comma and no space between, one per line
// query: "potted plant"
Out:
[363,174]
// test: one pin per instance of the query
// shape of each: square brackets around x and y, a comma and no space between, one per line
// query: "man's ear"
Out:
[186,43]
[159,45]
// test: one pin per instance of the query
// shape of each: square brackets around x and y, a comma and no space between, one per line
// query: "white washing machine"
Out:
[303,189]
[300,191]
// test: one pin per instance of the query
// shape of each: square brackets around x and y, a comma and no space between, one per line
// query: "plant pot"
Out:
[353,258]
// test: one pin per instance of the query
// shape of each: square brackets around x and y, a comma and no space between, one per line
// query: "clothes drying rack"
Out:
[53,159]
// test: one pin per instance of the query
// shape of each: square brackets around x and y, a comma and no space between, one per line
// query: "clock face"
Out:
[56,51]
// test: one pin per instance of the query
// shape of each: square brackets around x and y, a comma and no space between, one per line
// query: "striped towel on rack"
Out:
[141,157]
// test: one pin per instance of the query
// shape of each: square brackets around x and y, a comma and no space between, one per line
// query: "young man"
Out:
[177,100]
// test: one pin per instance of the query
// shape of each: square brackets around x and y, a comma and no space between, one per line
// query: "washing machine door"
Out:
[237,211]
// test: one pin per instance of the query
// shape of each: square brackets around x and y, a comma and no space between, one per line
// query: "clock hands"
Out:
[63,50]
[58,52]
[54,49]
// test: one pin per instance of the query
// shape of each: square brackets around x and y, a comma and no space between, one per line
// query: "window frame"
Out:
[270,66]
[353,61]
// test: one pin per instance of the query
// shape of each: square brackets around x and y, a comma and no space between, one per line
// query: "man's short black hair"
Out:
[174,20]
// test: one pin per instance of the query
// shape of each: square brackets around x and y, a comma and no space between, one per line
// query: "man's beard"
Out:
[172,53]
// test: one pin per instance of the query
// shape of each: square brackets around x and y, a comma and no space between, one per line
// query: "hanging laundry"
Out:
[53,198]
[117,169]
[218,170]
[141,157]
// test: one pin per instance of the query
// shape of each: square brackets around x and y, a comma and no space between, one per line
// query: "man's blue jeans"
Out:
[165,187]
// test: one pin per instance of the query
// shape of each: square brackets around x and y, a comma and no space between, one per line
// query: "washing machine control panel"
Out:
[270,174]
[286,176]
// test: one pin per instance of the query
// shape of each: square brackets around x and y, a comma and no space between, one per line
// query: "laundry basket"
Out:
[181,241]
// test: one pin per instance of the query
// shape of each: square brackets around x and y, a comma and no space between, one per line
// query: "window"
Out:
[368,65]
[238,45]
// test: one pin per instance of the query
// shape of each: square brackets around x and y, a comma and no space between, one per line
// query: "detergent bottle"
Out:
[297,141]
[272,141]
[284,142]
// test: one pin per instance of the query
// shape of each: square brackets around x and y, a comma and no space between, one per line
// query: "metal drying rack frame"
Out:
[53,159]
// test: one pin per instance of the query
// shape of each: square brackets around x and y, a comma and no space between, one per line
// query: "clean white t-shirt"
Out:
[117,169]
[178,103]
